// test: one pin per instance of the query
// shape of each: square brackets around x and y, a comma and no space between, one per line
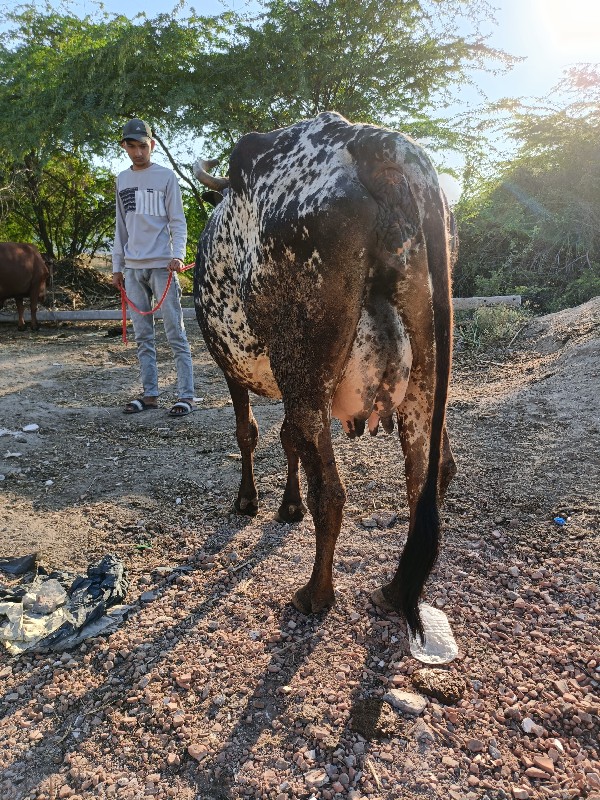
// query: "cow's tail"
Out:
[421,549]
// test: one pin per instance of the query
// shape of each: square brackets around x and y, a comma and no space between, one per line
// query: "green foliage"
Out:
[489,326]
[63,204]
[534,228]
[196,215]
[377,61]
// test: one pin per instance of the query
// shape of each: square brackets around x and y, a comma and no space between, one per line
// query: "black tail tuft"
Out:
[419,556]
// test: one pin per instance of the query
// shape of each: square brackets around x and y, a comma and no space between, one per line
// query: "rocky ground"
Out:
[215,687]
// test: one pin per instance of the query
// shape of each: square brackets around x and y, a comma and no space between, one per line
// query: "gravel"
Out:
[215,686]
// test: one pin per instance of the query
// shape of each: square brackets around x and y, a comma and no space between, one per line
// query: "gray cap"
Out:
[136,129]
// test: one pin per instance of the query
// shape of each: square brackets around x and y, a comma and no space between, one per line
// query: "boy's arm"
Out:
[176,216]
[118,254]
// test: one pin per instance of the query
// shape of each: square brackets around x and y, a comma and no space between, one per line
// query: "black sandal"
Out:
[137,406]
[182,408]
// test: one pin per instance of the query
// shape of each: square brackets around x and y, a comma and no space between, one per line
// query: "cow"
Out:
[23,273]
[323,278]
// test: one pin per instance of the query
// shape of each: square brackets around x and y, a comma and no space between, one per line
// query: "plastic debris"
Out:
[57,611]
[440,646]
[18,566]
[560,521]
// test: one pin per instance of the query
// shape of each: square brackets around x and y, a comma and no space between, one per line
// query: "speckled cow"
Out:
[323,278]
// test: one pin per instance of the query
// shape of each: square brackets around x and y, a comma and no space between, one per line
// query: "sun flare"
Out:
[572,27]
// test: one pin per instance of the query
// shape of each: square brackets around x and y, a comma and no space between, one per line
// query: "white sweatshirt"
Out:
[150,223]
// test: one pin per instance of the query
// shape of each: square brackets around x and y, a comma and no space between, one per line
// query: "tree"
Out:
[64,204]
[377,61]
[68,84]
[534,227]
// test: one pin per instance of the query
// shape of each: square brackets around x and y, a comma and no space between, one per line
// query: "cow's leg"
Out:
[246,429]
[33,304]
[21,313]
[421,426]
[447,466]
[325,497]
[292,509]
[414,428]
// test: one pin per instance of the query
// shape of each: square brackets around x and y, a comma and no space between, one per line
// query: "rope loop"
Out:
[125,301]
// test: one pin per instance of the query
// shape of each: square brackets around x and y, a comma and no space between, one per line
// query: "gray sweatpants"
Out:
[141,286]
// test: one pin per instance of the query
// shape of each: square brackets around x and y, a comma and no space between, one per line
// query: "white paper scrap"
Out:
[440,645]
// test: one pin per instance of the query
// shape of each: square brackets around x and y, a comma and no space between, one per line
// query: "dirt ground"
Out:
[215,687]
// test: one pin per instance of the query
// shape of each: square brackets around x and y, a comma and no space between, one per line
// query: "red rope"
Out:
[125,301]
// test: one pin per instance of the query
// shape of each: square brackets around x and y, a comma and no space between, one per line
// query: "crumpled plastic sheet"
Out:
[58,611]
[440,645]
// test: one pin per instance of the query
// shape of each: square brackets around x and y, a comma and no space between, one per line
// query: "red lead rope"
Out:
[125,301]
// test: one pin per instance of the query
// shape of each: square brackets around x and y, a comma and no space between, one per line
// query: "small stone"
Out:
[369,522]
[315,778]
[407,702]
[447,761]
[423,732]
[184,680]
[593,779]
[475,745]
[173,760]
[519,793]
[536,774]
[545,763]
[198,751]
[529,726]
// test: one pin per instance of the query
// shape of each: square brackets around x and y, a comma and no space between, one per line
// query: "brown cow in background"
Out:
[23,273]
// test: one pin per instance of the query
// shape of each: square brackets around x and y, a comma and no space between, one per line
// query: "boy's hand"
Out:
[117,280]
[175,265]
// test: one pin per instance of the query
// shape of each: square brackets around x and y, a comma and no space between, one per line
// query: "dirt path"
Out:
[215,687]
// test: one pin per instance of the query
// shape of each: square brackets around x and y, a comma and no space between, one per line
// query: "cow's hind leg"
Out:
[292,509]
[326,497]
[21,314]
[420,551]
[33,305]
[447,466]
[246,429]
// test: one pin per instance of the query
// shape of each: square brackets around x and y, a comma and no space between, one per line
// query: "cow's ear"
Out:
[212,197]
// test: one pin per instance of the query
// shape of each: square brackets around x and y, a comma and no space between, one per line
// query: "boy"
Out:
[150,238]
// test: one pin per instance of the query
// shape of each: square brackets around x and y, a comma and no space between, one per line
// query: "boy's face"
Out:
[139,151]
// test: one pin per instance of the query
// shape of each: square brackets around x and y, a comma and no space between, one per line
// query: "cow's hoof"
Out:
[21,327]
[381,601]
[308,603]
[291,512]
[246,506]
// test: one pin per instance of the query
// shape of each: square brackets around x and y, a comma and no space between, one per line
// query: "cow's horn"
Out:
[201,168]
